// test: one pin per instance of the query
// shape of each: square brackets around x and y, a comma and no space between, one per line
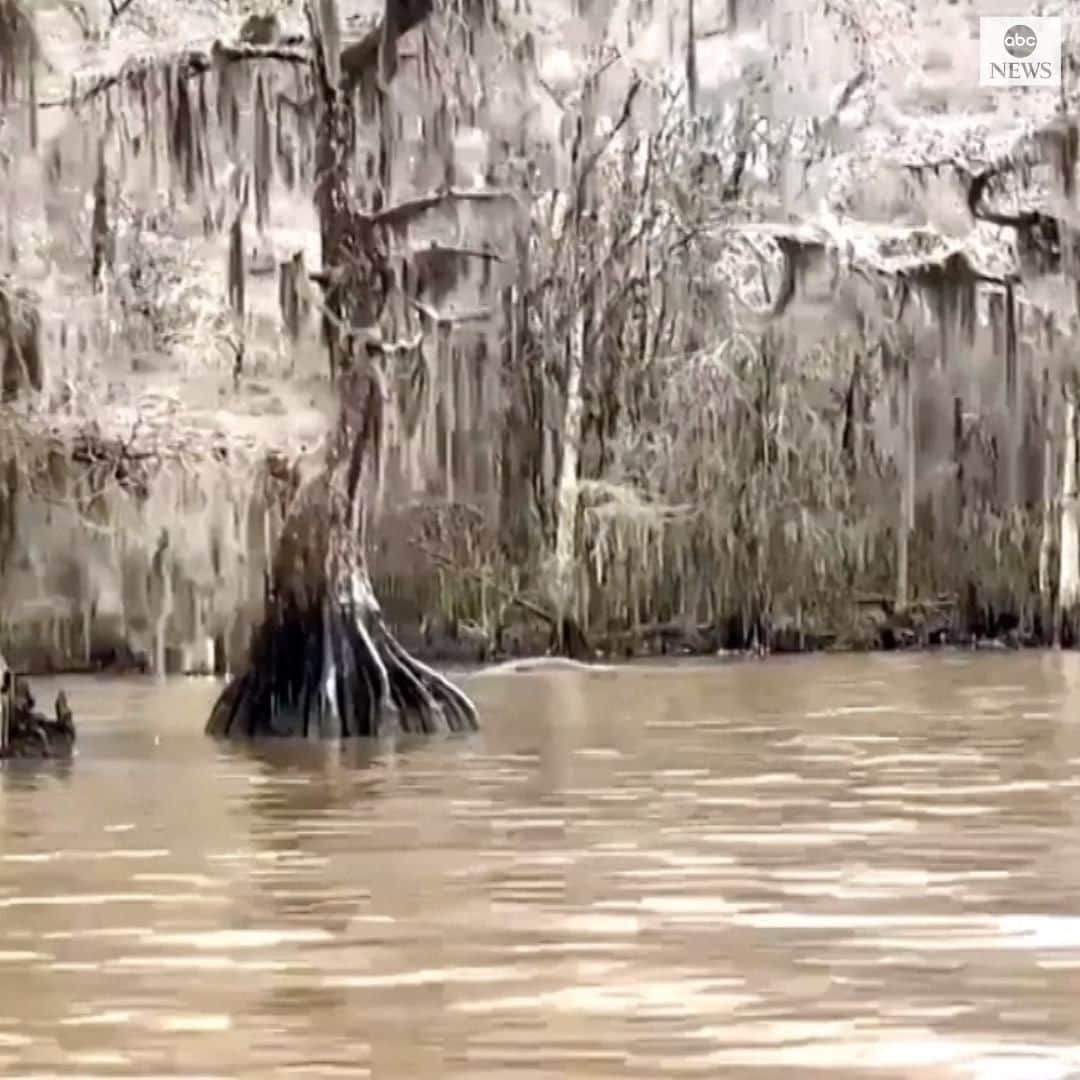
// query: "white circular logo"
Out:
[1020,41]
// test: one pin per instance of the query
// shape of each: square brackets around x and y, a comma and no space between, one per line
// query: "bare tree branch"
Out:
[117,9]
[331,277]
[401,214]
[463,252]
[456,318]
[620,123]
[190,62]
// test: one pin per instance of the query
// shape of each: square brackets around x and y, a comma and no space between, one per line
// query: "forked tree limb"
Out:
[117,8]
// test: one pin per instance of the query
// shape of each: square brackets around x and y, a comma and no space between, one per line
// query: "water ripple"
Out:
[858,865]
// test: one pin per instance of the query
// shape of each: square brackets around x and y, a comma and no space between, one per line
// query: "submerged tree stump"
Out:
[28,734]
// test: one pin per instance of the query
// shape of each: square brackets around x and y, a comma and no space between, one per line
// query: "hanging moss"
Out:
[19,48]
[761,433]
[293,294]
[237,285]
[21,359]
[10,486]
[205,125]
[101,238]
[185,131]
[949,289]
[263,157]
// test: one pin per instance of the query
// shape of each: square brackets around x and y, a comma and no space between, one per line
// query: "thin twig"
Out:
[511,597]
[594,157]
[464,252]
[461,318]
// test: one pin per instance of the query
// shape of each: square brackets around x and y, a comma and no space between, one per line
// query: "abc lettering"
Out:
[1019,39]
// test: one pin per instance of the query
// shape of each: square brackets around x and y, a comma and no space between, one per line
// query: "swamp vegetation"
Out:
[616,328]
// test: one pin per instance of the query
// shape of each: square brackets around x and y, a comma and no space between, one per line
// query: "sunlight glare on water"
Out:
[860,865]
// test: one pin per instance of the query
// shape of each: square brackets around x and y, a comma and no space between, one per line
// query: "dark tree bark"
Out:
[323,663]
[25,733]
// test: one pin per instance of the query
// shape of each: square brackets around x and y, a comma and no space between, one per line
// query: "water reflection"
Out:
[835,864]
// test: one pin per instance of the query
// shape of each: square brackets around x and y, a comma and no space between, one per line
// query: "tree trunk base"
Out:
[29,734]
[336,672]
[568,639]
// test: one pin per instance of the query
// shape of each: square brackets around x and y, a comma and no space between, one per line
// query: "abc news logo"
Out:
[1020,52]
[1020,42]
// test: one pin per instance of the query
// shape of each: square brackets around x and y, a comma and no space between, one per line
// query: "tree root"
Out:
[336,673]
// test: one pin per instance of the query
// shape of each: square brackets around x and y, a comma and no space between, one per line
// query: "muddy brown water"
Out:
[853,865]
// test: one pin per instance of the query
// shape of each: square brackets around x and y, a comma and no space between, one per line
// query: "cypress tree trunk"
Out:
[323,663]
